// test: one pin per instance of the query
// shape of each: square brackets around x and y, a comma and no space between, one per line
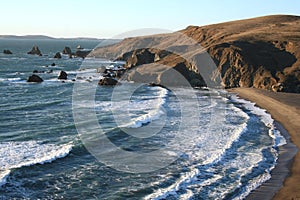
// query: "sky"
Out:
[110,18]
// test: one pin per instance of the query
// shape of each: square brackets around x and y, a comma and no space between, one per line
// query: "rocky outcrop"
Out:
[67,51]
[35,51]
[157,85]
[34,79]
[62,75]
[138,57]
[261,52]
[256,64]
[82,53]
[170,69]
[6,51]
[108,81]
[57,55]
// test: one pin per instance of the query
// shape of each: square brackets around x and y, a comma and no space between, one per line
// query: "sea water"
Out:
[227,146]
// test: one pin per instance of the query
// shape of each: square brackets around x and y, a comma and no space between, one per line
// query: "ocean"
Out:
[148,142]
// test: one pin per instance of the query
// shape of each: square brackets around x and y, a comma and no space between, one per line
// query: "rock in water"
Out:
[35,51]
[34,79]
[82,53]
[57,55]
[108,81]
[36,71]
[53,64]
[67,50]
[152,84]
[6,51]
[63,75]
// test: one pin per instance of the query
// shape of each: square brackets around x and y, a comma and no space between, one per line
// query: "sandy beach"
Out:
[285,109]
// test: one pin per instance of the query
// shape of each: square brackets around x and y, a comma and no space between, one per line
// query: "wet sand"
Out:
[285,109]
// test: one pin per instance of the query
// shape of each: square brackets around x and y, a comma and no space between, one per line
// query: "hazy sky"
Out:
[105,19]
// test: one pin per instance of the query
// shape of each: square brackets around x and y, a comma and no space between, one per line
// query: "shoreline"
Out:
[285,110]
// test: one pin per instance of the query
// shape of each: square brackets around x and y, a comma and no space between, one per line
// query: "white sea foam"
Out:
[83,71]
[255,183]
[189,178]
[210,148]
[153,114]
[19,154]
[205,148]
[152,108]
[3,176]
[245,163]
[265,117]
[278,140]
[181,183]
[14,79]
[17,79]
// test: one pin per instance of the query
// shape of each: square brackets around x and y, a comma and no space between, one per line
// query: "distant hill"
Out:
[25,37]
[262,52]
[43,37]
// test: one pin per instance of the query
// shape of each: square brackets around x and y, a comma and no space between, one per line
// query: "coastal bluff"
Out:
[261,52]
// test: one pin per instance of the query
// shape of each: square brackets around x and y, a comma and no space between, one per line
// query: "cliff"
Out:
[261,52]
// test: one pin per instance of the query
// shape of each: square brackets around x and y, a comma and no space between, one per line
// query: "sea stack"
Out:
[63,75]
[57,55]
[67,51]
[6,51]
[35,51]
[108,81]
[34,79]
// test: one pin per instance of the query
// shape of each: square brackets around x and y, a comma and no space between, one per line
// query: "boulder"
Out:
[63,75]
[57,55]
[6,51]
[82,53]
[107,81]
[34,79]
[35,51]
[67,50]
[53,64]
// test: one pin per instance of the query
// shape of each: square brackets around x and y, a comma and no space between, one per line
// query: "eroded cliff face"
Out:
[161,67]
[256,64]
[261,52]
